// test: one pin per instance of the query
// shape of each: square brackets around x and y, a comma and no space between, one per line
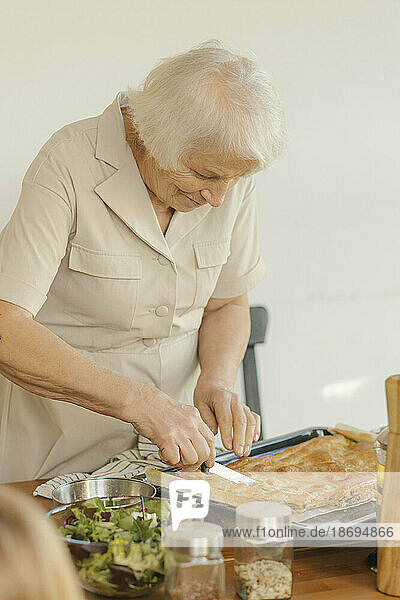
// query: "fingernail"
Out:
[247,450]
[239,450]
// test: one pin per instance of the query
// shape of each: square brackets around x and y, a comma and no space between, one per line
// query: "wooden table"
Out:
[319,574]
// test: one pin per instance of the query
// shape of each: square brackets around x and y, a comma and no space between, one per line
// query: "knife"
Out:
[229,474]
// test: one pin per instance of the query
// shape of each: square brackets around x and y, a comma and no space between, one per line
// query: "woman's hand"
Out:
[183,438]
[220,407]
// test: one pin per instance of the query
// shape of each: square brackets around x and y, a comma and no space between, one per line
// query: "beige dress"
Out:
[84,253]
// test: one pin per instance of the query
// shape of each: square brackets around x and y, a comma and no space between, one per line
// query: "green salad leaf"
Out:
[134,541]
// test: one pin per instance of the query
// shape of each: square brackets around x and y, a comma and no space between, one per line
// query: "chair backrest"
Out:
[259,322]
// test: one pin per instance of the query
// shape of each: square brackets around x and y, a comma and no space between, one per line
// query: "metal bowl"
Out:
[114,491]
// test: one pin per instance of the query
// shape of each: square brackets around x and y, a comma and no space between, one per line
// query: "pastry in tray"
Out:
[300,491]
[327,453]
[329,471]
[324,473]
[309,491]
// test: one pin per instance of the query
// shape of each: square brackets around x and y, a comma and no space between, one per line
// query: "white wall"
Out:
[329,209]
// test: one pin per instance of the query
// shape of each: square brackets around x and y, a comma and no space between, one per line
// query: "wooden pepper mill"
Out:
[388,579]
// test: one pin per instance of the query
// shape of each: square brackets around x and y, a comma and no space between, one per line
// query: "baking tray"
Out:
[276,444]
[363,513]
[224,513]
[270,446]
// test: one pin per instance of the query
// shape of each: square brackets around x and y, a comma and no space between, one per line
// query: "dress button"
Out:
[162,260]
[162,311]
[149,341]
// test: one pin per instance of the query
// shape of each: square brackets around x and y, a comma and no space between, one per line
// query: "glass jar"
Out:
[263,551]
[194,565]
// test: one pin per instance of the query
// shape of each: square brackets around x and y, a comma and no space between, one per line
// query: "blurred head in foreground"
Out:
[34,564]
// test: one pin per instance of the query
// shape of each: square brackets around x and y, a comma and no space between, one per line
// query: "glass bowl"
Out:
[118,579]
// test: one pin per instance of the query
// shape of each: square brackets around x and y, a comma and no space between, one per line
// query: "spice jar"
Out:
[194,565]
[264,551]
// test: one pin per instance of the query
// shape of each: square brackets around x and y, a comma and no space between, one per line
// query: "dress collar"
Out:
[111,145]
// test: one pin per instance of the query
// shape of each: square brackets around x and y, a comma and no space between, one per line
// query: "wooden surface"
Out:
[319,574]
[389,556]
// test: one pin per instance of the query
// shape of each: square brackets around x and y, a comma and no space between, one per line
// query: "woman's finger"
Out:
[239,426]
[203,445]
[223,414]
[205,432]
[208,417]
[170,453]
[188,452]
[257,429]
[250,429]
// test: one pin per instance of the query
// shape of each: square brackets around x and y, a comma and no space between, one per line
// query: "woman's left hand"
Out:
[221,408]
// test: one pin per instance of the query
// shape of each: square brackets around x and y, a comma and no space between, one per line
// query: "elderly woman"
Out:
[124,272]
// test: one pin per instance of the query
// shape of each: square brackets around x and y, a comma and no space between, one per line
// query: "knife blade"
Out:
[231,475]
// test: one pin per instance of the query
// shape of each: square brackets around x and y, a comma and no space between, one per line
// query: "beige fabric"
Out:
[85,254]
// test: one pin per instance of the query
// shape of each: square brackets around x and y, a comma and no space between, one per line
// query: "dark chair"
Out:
[259,321]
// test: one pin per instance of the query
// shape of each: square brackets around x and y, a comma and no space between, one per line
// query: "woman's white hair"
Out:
[208,97]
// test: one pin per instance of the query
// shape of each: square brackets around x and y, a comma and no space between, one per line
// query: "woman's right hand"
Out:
[37,360]
[182,437]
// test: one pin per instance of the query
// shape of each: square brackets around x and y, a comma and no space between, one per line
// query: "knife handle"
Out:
[204,468]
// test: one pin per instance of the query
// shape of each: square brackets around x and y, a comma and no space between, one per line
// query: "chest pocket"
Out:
[210,256]
[102,289]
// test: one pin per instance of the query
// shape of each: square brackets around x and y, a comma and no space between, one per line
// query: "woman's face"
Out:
[205,179]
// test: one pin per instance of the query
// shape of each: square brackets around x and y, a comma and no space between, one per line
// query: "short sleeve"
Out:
[34,241]
[245,266]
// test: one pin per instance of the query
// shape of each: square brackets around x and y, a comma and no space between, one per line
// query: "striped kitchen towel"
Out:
[127,464]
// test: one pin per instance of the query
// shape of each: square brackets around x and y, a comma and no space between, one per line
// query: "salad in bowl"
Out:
[117,551]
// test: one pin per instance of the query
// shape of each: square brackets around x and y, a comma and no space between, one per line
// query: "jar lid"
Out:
[198,536]
[270,515]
